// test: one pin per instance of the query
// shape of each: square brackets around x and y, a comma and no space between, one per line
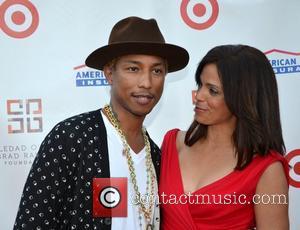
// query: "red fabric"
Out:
[233,215]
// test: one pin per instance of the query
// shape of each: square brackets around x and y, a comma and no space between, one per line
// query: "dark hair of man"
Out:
[251,94]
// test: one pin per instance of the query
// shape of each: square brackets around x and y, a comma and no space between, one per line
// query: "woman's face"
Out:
[210,106]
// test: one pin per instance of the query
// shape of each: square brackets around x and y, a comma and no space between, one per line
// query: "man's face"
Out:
[137,83]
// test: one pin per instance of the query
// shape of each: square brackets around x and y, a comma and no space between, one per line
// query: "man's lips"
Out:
[143,98]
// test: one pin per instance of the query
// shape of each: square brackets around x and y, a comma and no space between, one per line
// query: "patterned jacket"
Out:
[58,190]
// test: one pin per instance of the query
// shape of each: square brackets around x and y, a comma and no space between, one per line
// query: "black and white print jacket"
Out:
[58,190]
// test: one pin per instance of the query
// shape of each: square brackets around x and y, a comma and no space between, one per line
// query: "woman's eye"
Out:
[213,91]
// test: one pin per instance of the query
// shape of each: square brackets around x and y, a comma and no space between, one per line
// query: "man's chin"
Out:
[142,113]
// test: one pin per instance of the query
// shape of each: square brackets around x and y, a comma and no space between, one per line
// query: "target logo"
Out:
[293,159]
[18,18]
[199,14]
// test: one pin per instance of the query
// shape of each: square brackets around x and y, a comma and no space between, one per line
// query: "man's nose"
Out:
[145,80]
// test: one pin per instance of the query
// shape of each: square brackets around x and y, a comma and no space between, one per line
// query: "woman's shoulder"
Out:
[272,160]
[271,157]
[279,162]
[174,136]
[172,132]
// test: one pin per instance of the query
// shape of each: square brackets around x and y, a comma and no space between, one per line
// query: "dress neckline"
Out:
[198,190]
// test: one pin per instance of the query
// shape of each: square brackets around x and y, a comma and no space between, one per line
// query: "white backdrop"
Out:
[43,45]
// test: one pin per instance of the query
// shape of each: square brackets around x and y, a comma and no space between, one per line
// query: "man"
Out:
[105,143]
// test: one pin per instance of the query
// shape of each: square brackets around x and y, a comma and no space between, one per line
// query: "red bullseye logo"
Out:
[18,18]
[293,159]
[199,14]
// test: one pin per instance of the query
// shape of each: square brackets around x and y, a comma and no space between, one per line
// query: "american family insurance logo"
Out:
[86,76]
[110,197]
[293,159]
[18,18]
[284,62]
[199,14]
[24,116]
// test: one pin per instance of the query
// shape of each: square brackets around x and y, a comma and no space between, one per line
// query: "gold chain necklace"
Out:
[151,176]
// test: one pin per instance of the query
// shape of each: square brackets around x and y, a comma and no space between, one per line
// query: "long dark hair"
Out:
[251,94]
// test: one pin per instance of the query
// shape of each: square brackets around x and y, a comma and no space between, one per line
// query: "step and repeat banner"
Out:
[43,46]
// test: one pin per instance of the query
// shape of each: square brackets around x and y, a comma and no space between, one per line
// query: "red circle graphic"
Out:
[199,10]
[19,18]
[295,167]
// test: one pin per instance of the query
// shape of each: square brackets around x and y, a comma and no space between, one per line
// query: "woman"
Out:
[227,170]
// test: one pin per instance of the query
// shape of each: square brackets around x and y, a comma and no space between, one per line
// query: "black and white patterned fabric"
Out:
[58,190]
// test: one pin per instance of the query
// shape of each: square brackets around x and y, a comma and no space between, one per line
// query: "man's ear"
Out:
[108,73]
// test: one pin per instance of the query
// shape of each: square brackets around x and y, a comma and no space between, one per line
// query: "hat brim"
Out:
[176,56]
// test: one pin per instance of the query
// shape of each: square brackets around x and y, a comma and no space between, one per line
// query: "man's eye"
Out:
[132,69]
[158,71]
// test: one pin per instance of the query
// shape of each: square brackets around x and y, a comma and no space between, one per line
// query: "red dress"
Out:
[224,204]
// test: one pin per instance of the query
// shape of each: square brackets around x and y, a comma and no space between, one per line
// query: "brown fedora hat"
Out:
[134,35]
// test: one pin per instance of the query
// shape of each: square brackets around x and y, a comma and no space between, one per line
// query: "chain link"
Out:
[151,175]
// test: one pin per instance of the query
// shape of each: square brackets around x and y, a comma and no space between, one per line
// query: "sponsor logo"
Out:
[11,155]
[18,18]
[24,116]
[293,159]
[199,14]
[89,77]
[110,197]
[284,62]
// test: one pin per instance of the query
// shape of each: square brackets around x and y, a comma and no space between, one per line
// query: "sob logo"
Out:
[199,14]
[18,18]
[24,116]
